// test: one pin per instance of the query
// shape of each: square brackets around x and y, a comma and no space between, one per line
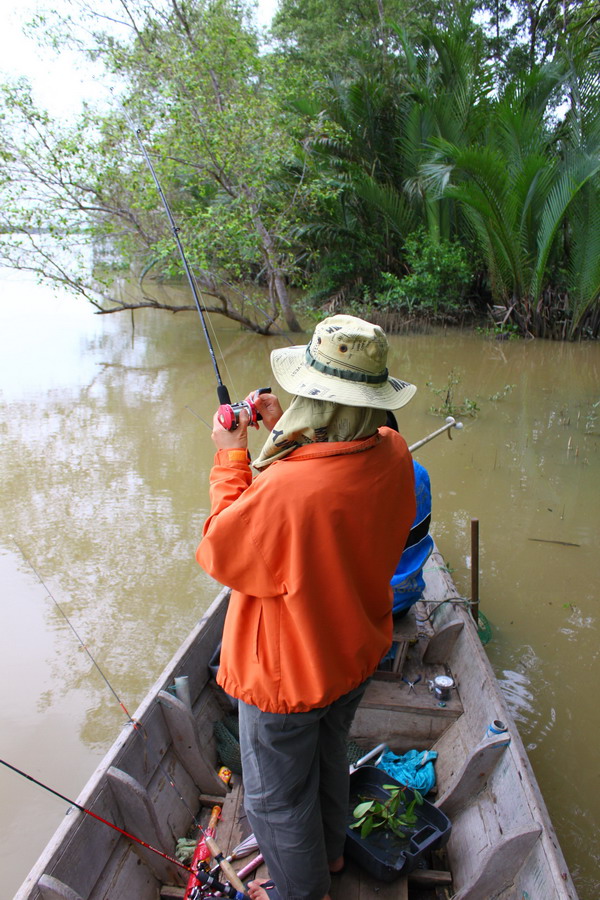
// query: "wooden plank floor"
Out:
[352,884]
[355,884]
[389,699]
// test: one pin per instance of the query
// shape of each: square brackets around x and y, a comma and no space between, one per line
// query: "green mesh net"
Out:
[353,752]
[228,745]
[484,629]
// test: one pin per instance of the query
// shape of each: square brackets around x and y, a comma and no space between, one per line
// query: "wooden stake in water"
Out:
[475,569]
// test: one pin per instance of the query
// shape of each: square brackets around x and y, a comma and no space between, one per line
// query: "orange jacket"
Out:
[309,548]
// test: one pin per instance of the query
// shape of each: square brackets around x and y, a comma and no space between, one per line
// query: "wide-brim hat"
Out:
[344,362]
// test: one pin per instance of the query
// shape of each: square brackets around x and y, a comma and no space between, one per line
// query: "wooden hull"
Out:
[154,778]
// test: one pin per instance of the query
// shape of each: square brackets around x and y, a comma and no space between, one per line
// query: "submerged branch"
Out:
[150,303]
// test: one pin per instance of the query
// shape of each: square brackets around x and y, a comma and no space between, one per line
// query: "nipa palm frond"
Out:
[573,178]
[584,267]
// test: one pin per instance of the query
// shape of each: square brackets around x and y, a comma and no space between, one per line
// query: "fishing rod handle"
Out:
[225,866]
[228,414]
[208,881]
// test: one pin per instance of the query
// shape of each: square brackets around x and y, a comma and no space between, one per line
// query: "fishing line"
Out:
[199,875]
[208,425]
[73,629]
[131,721]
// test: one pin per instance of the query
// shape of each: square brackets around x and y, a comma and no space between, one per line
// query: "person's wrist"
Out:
[226,441]
[233,456]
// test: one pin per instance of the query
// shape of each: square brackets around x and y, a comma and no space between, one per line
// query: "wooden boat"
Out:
[501,844]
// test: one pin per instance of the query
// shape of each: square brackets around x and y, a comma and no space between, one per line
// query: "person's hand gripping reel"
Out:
[228,414]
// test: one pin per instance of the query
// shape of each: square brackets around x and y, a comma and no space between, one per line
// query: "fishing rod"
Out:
[228,412]
[203,877]
[135,725]
[215,850]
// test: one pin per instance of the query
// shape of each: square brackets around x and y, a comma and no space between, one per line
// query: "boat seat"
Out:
[52,889]
[415,628]
[139,817]
[183,729]
[441,644]
[474,774]
[408,718]
[409,630]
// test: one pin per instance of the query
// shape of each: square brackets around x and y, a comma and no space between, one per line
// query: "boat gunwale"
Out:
[95,785]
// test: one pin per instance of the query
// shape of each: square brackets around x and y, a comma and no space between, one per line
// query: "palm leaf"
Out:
[389,202]
[571,181]
[584,268]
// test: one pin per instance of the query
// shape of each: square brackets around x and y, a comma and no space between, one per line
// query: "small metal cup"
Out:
[441,687]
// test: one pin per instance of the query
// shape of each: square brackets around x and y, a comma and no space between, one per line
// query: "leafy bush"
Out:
[437,282]
[450,405]
[340,273]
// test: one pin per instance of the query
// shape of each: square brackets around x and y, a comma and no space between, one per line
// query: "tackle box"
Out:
[383,854]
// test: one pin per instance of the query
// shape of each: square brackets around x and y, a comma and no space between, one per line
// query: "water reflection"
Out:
[522,688]
[104,482]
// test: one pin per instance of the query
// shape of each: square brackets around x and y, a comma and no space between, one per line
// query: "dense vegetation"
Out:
[403,161]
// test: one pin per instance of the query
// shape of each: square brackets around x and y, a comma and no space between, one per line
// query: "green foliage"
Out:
[323,34]
[438,280]
[451,405]
[502,331]
[391,814]
[591,418]
[501,394]
[209,107]
[518,193]
[454,405]
[405,157]
[372,130]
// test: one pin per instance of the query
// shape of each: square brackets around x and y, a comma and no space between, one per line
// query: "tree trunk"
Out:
[276,277]
[281,292]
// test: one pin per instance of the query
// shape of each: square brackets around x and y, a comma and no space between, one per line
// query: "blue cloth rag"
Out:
[414,769]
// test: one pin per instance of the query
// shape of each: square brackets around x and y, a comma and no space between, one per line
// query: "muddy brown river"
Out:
[104,488]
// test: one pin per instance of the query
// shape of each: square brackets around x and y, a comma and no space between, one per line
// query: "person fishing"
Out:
[309,547]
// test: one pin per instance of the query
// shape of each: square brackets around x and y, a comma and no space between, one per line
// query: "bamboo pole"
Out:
[450,423]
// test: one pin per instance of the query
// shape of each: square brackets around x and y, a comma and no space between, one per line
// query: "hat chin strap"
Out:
[346,374]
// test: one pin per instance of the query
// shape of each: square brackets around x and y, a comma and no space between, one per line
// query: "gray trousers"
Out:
[295,771]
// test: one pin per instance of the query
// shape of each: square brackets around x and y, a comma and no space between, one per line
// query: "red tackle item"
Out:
[227,417]
[228,413]
[202,853]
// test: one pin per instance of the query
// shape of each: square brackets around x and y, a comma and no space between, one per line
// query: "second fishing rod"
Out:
[211,844]
[228,412]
